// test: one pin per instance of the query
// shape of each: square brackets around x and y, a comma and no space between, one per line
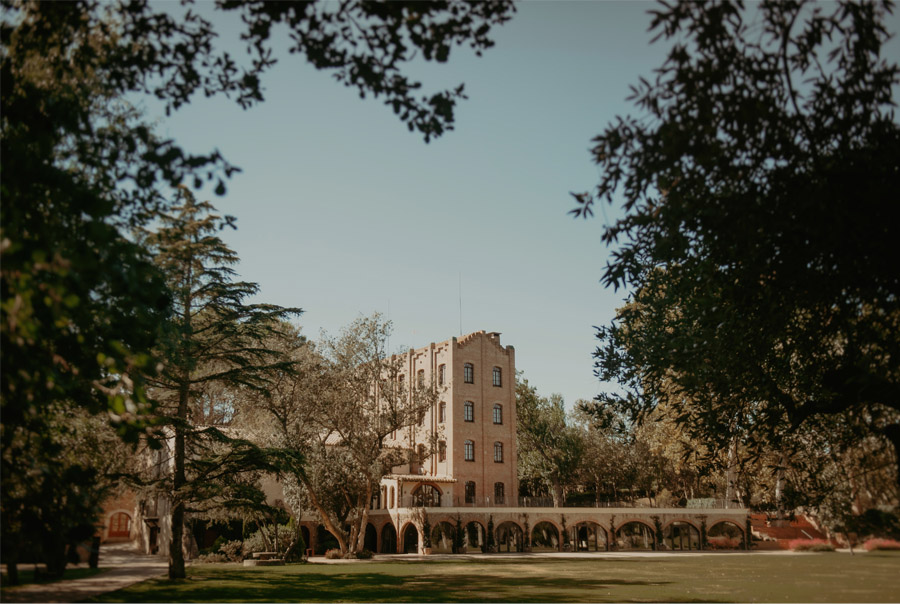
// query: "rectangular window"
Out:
[499,494]
[470,492]
[498,413]
[469,411]
[420,378]
[469,373]
[497,377]
[442,413]
[441,371]
[442,451]
[498,452]
[470,450]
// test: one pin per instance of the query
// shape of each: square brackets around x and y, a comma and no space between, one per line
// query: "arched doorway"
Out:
[427,496]
[589,537]
[325,541]
[119,526]
[371,542]
[474,536]
[681,536]
[442,538]
[544,537]
[304,532]
[510,537]
[411,539]
[635,535]
[725,535]
[388,539]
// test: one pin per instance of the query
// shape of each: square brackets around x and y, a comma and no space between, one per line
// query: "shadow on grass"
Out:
[370,587]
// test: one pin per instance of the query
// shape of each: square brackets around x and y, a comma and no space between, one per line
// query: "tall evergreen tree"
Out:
[213,338]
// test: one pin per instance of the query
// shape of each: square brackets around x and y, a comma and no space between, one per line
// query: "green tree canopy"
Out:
[759,188]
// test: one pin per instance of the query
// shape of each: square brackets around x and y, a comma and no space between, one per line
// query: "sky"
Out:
[344,212]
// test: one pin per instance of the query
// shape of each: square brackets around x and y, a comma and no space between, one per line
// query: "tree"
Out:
[213,338]
[758,189]
[81,169]
[338,411]
[549,448]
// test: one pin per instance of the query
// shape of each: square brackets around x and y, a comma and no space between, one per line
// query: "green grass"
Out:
[27,576]
[826,577]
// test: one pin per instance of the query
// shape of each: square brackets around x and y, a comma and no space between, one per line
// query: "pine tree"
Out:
[213,339]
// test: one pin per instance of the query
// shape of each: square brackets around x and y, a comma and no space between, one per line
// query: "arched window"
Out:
[498,413]
[499,494]
[119,525]
[391,504]
[442,370]
[470,492]
[442,450]
[470,450]
[498,452]
[469,373]
[469,411]
[384,499]
[427,496]
[420,378]
[498,377]
[442,417]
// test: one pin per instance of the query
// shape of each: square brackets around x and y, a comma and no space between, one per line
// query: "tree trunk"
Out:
[323,515]
[364,519]
[12,573]
[731,472]
[176,551]
[557,491]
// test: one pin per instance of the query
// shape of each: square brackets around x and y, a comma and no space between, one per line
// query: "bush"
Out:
[810,545]
[233,550]
[333,554]
[881,544]
[364,555]
[212,559]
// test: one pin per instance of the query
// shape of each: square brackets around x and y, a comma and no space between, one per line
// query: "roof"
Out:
[421,478]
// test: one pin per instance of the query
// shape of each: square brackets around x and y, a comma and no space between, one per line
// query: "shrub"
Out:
[363,555]
[881,544]
[212,559]
[811,545]
[333,554]
[233,550]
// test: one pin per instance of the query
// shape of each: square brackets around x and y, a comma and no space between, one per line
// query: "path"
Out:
[126,566]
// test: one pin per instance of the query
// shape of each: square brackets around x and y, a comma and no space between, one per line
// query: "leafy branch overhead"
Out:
[758,185]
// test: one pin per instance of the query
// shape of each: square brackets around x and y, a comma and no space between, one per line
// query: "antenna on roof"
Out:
[460,303]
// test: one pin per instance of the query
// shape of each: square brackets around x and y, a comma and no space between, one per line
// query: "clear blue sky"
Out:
[343,212]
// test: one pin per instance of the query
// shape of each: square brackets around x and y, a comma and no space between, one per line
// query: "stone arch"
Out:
[474,535]
[590,537]
[680,535]
[427,495]
[545,537]
[635,534]
[119,525]
[510,537]
[442,537]
[410,539]
[388,539]
[725,534]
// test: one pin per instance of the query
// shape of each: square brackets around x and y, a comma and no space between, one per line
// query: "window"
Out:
[498,413]
[469,373]
[470,492]
[498,452]
[470,450]
[469,411]
[499,495]
[443,412]
[442,450]
[391,504]
[420,378]
[441,373]
[427,496]
[497,377]
[422,417]
[420,454]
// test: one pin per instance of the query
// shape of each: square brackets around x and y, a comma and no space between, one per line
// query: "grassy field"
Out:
[823,577]
[27,575]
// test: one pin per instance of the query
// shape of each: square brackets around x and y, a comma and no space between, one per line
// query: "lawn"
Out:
[818,577]
[27,575]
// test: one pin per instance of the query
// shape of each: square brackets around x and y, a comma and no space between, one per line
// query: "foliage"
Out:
[426,532]
[212,339]
[338,409]
[333,554]
[881,544]
[366,554]
[458,536]
[757,186]
[549,448]
[810,545]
